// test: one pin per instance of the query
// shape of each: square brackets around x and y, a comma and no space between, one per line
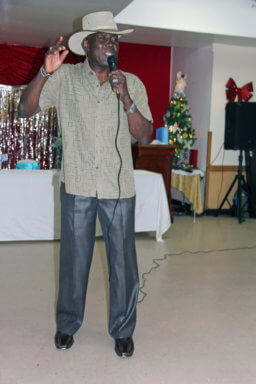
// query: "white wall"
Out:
[197,64]
[208,68]
[220,17]
[240,64]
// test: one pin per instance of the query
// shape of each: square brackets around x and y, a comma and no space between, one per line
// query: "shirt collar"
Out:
[87,69]
[91,75]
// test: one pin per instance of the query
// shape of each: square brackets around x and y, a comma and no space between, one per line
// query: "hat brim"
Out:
[76,39]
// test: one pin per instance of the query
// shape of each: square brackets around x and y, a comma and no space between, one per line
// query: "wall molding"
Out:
[224,168]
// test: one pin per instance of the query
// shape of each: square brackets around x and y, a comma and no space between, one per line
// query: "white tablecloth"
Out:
[30,205]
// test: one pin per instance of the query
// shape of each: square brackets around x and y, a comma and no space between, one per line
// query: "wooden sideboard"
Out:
[156,158]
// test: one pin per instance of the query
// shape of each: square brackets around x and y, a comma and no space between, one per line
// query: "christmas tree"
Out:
[179,121]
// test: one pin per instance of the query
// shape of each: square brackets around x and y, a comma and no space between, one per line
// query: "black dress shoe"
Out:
[124,347]
[63,341]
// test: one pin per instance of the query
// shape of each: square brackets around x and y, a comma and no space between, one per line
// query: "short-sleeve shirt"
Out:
[88,121]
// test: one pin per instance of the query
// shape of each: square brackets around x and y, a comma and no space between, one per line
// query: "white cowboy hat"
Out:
[93,23]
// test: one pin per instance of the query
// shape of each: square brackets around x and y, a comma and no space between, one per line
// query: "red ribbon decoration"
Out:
[232,91]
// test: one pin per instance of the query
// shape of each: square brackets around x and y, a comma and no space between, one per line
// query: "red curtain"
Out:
[19,64]
[151,63]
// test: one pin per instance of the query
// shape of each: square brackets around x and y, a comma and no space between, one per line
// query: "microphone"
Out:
[112,62]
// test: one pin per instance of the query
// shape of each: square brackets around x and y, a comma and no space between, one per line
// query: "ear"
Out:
[85,45]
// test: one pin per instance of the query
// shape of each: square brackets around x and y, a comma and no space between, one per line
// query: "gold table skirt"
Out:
[190,186]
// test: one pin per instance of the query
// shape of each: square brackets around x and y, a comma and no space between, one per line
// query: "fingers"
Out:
[116,78]
[59,40]
[55,56]
[119,84]
[63,55]
[115,84]
[114,74]
[57,47]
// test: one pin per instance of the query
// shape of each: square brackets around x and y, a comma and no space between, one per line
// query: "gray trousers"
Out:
[78,225]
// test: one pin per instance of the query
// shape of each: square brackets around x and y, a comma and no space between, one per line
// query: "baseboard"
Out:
[216,212]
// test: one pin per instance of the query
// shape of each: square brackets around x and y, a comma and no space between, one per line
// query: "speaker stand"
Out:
[241,181]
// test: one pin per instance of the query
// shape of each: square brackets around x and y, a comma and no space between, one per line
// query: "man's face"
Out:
[99,46]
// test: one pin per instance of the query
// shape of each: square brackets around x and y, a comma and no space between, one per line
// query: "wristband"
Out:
[43,73]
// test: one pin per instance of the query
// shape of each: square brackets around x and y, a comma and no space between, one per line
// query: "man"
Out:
[97,173]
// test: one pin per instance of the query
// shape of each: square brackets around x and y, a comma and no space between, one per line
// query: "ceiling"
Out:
[41,22]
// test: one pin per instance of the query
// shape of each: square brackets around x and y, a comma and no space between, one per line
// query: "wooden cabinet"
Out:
[156,158]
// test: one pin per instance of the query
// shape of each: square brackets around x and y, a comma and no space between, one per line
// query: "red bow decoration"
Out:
[243,94]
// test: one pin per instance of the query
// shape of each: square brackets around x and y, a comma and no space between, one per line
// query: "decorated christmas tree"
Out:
[179,121]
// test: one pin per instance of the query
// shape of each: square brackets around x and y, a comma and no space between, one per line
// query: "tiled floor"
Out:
[196,319]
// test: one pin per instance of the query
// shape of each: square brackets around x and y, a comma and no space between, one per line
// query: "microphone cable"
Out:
[157,263]
[118,178]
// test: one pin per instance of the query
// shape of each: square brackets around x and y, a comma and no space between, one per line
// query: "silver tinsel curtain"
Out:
[36,138]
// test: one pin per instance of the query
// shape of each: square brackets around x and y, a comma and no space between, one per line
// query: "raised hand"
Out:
[55,56]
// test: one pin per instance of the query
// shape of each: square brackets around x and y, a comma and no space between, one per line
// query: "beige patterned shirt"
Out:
[88,121]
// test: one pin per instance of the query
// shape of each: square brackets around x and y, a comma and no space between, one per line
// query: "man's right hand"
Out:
[55,56]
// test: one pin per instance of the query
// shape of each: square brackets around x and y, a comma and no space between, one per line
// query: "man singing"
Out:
[97,171]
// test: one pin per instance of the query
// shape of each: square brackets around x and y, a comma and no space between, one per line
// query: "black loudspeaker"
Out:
[240,126]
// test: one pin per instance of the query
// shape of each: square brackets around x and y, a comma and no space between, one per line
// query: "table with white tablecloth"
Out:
[30,205]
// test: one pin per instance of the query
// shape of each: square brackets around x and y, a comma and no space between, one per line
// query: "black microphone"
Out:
[112,62]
